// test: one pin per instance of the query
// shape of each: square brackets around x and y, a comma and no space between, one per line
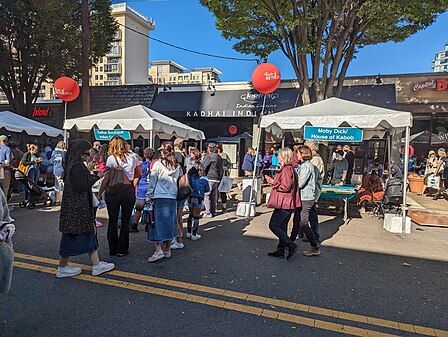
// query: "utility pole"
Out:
[85,92]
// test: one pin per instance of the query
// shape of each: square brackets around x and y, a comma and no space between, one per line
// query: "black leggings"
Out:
[119,243]
[223,196]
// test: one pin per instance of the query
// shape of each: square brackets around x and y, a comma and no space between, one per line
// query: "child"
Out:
[199,185]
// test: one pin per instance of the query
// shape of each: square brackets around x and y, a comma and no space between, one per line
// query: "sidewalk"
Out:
[363,233]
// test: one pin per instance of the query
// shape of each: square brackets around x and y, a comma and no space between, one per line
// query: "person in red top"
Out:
[371,189]
[284,198]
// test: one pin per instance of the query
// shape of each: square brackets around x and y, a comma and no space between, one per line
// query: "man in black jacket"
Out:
[213,168]
[350,156]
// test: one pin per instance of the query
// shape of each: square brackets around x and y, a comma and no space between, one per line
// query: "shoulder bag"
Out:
[183,188]
[117,179]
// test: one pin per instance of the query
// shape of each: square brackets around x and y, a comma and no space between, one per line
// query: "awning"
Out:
[138,119]
[17,123]
[223,103]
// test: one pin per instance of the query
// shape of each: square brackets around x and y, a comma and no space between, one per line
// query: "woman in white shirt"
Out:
[119,154]
[162,192]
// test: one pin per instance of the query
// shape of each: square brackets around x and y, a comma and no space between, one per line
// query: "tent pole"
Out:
[389,151]
[257,144]
[65,117]
[200,144]
[151,139]
[404,207]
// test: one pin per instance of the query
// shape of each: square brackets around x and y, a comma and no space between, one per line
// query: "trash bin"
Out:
[256,194]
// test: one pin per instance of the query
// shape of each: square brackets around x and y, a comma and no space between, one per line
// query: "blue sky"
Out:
[186,23]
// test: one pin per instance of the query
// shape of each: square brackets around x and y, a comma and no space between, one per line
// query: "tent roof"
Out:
[17,123]
[335,112]
[137,118]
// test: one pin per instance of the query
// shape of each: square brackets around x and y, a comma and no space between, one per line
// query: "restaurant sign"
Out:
[330,134]
[437,85]
[107,135]
[40,112]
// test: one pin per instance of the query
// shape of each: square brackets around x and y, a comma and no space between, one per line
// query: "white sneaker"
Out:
[68,271]
[167,254]
[102,267]
[207,216]
[188,235]
[156,256]
[195,237]
[177,245]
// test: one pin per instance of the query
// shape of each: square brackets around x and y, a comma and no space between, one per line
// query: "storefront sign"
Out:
[109,134]
[437,85]
[223,113]
[40,112]
[328,134]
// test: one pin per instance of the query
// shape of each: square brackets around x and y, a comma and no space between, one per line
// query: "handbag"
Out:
[23,168]
[225,185]
[117,179]
[183,188]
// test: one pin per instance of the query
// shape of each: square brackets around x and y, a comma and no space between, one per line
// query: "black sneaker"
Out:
[133,228]
[278,253]
[292,250]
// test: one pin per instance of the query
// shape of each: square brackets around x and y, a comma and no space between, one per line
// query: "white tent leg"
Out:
[389,151]
[65,131]
[257,145]
[404,207]
[151,139]
[200,145]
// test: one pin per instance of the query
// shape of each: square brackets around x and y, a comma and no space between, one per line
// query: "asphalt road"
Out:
[244,292]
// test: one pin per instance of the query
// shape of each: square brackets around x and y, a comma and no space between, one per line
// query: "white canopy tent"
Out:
[17,123]
[336,112]
[139,120]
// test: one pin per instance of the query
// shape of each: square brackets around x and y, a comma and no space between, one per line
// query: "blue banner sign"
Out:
[109,134]
[328,134]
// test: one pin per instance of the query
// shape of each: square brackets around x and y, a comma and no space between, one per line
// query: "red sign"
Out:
[437,85]
[233,129]
[39,112]
[266,78]
[66,89]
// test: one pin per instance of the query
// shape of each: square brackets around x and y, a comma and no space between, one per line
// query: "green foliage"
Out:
[41,40]
[319,37]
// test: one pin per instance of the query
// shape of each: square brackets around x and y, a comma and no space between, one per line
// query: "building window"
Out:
[96,77]
[101,77]
[96,68]
[42,87]
[101,69]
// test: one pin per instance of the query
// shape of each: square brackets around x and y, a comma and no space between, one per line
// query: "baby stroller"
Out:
[37,194]
[393,192]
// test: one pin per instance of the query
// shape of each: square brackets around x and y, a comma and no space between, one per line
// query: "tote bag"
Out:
[117,179]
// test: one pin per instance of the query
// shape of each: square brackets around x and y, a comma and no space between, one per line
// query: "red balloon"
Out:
[233,129]
[411,150]
[66,89]
[266,78]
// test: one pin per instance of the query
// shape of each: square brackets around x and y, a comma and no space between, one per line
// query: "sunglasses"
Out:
[87,153]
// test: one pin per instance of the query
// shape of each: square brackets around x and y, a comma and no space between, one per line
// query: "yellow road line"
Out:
[305,321]
[259,299]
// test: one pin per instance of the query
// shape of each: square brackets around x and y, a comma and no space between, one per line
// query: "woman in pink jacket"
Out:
[284,198]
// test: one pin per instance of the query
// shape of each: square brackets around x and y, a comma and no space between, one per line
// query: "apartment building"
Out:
[127,60]
[170,72]
[441,60]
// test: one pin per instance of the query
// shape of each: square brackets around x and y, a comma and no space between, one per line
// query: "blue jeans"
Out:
[33,175]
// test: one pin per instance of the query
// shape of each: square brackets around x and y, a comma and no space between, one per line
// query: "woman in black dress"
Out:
[77,221]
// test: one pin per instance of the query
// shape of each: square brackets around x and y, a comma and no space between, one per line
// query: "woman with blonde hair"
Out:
[120,155]
[162,194]
[284,198]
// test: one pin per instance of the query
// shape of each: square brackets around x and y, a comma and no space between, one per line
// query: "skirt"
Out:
[165,220]
[77,244]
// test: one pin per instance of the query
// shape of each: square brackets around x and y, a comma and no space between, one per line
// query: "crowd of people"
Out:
[154,187]
[157,186]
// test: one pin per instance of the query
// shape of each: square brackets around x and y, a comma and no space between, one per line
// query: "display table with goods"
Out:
[344,193]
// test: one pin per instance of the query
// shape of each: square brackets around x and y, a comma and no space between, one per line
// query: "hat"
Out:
[431,152]
[340,152]
[212,145]
[442,149]
[3,137]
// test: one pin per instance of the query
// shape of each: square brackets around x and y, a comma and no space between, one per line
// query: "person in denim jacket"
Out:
[310,187]
[199,184]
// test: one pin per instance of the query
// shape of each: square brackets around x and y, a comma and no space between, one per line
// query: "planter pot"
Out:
[415,183]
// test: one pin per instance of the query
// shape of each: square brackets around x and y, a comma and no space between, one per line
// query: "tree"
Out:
[41,40]
[319,37]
